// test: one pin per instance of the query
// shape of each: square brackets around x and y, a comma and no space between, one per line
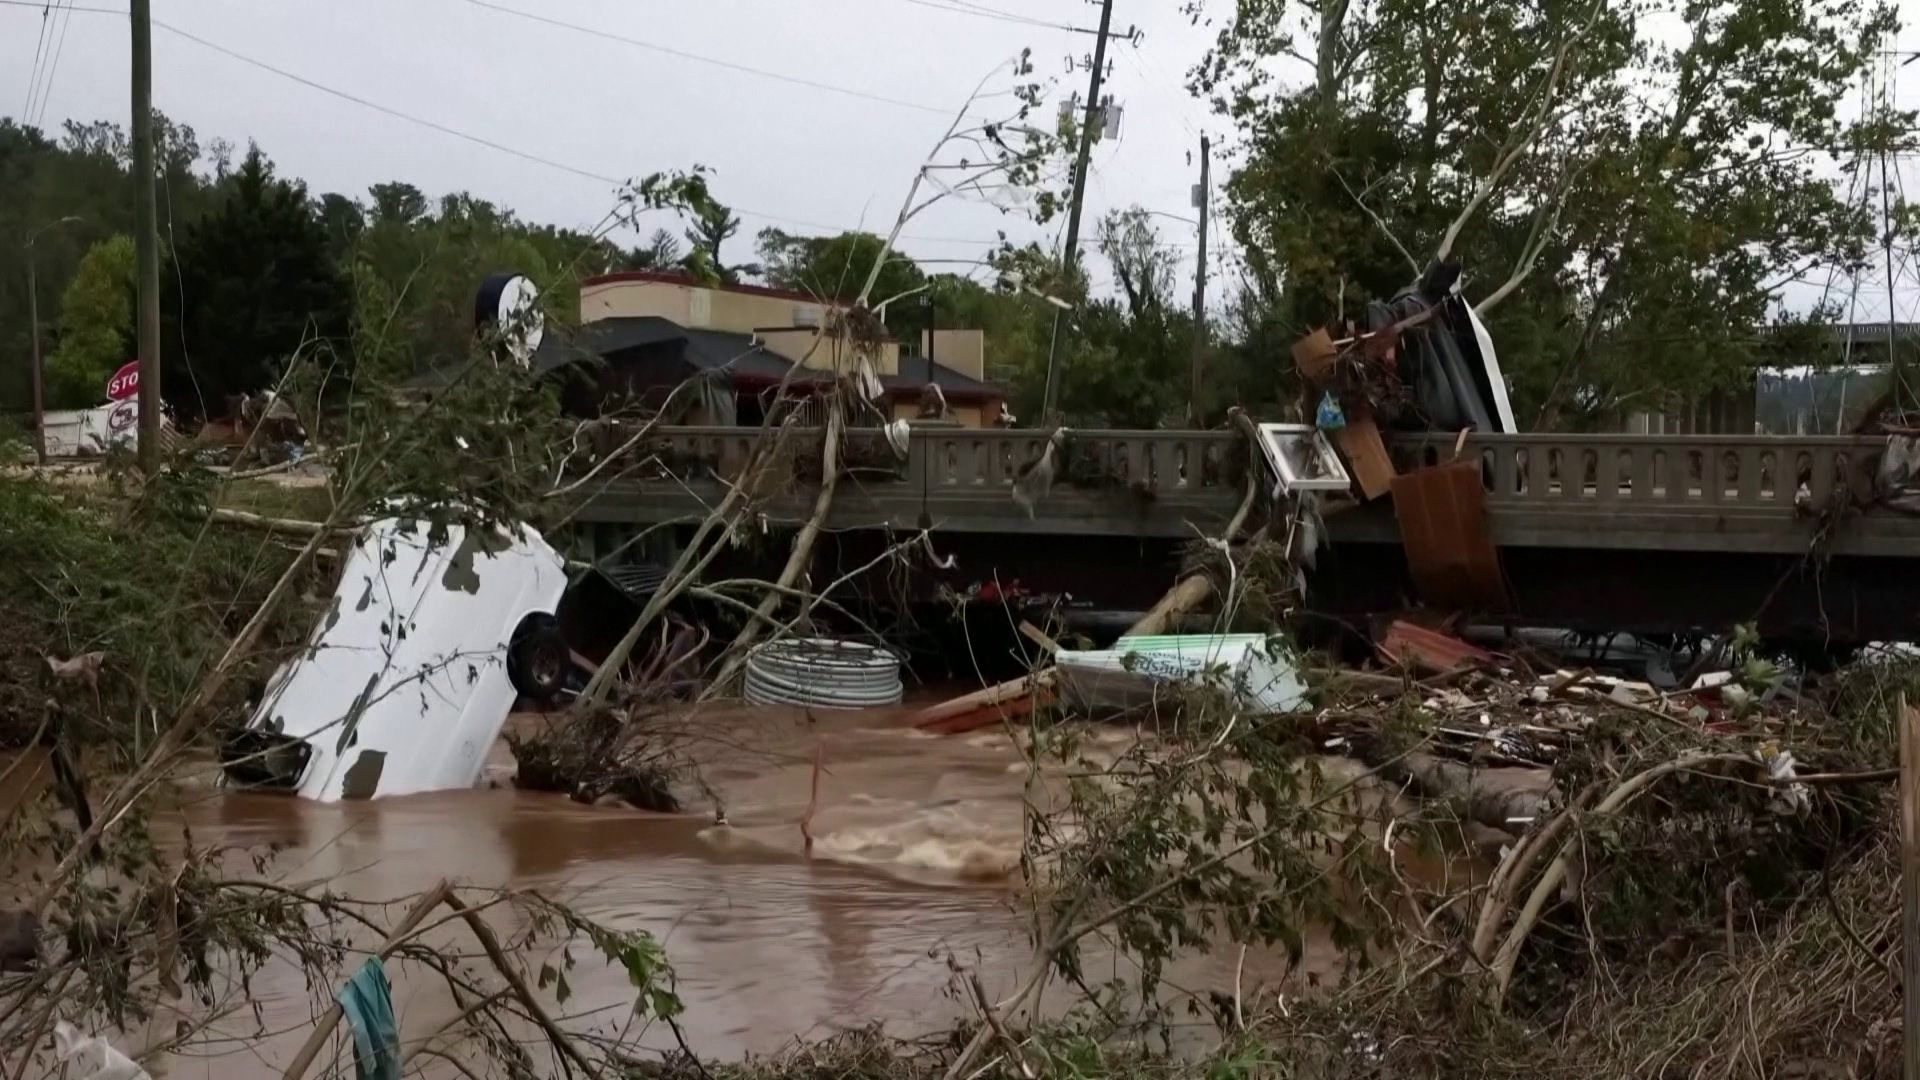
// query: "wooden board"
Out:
[1366,453]
[1314,354]
[1443,525]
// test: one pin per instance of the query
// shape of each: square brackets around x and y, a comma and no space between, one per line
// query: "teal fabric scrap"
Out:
[367,1002]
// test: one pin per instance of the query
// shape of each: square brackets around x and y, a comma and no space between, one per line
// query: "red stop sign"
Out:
[125,382]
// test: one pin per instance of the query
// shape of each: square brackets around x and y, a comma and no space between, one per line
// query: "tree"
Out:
[661,252]
[343,219]
[96,320]
[1142,267]
[835,267]
[1628,243]
[713,224]
[255,281]
[79,172]
[397,202]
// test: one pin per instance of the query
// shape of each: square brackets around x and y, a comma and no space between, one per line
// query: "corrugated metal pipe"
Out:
[822,673]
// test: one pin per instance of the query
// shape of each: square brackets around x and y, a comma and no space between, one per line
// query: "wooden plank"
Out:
[1366,453]
[1443,524]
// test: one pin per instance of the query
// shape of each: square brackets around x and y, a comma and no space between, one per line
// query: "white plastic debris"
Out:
[1255,668]
[1791,796]
[88,1057]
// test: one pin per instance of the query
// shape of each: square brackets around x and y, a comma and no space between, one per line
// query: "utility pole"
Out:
[146,238]
[33,325]
[39,396]
[1090,122]
[1200,200]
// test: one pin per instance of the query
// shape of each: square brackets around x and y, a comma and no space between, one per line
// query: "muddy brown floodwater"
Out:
[916,841]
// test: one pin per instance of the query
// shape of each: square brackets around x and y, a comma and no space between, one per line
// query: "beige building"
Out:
[797,328]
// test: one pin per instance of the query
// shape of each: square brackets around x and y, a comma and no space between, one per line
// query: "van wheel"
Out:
[538,658]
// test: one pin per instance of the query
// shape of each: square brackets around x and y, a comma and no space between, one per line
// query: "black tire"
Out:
[538,658]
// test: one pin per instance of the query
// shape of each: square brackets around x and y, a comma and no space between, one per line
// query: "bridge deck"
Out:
[1628,492]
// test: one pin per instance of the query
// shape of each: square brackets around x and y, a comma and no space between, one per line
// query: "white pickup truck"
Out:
[412,670]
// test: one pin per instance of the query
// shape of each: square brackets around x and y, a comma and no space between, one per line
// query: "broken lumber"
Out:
[997,694]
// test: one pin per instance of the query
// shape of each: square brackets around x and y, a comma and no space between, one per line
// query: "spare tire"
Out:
[538,658]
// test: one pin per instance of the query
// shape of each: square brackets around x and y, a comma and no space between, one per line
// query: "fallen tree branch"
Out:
[1196,588]
[1627,791]
[252,520]
[802,552]
[491,944]
[1513,870]
[317,1039]
[175,738]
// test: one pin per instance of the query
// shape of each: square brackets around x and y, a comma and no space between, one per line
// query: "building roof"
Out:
[707,350]
[662,277]
[741,355]
[917,371]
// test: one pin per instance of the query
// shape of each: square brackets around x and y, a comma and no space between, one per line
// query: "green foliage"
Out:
[1663,222]
[836,267]
[255,282]
[81,172]
[415,272]
[83,572]
[712,225]
[1222,829]
[96,323]
[1128,360]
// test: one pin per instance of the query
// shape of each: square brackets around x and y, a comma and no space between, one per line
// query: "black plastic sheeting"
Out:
[1439,359]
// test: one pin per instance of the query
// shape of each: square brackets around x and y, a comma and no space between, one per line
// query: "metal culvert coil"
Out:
[822,673]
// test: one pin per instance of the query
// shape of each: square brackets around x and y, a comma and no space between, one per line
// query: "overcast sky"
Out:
[785,154]
[809,158]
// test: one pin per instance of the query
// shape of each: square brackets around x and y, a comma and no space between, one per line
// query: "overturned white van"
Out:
[413,668]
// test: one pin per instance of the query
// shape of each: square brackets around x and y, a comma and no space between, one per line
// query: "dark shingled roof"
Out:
[719,350]
[917,371]
[707,350]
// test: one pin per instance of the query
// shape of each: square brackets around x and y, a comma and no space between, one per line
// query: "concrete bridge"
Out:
[1606,531]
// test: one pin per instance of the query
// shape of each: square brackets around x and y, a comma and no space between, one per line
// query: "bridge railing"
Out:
[1651,471]
[1540,471]
[953,460]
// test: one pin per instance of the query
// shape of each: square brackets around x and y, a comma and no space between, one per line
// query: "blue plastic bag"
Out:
[1328,416]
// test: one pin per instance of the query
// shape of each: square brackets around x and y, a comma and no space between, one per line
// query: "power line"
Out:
[477,140]
[962,7]
[65,17]
[697,58]
[39,55]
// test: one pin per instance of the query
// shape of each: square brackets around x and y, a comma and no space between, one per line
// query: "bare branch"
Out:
[1412,263]
[1545,220]
[1533,123]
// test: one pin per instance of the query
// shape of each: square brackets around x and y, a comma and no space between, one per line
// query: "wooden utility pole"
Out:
[33,327]
[1909,722]
[39,396]
[146,237]
[1201,198]
[1091,121]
